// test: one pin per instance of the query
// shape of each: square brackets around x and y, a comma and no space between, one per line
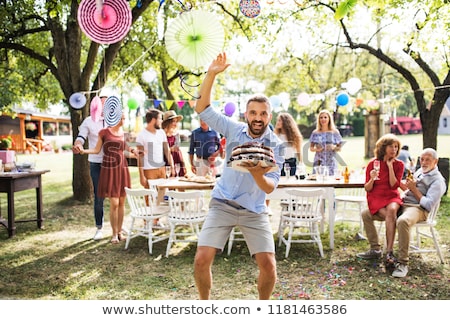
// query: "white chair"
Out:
[350,205]
[153,185]
[416,240]
[186,210]
[235,235]
[142,206]
[302,218]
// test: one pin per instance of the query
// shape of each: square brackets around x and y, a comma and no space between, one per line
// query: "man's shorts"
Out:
[224,215]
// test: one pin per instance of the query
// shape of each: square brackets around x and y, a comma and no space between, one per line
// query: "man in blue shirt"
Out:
[205,145]
[238,198]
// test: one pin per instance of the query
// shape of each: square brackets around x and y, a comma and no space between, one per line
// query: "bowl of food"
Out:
[25,166]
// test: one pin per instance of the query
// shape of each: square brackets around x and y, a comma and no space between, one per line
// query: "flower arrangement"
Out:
[31,126]
[368,106]
[6,142]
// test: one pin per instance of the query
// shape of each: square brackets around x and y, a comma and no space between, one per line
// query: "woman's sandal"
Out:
[121,237]
[115,240]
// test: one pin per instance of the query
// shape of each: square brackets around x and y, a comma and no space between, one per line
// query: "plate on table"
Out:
[198,179]
[236,165]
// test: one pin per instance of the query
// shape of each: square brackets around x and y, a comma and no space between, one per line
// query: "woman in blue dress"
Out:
[325,141]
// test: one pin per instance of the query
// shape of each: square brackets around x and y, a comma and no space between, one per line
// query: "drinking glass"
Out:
[301,171]
[177,168]
[287,170]
[168,172]
[376,167]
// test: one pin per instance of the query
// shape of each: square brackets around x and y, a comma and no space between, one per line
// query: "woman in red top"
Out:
[383,197]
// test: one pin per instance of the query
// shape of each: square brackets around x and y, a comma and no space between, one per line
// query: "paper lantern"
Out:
[96,108]
[353,85]
[359,102]
[342,99]
[77,100]
[229,108]
[250,8]
[132,104]
[303,99]
[275,102]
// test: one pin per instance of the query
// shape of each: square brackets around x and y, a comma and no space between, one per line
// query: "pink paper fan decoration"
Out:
[106,17]
[96,109]
[105,23]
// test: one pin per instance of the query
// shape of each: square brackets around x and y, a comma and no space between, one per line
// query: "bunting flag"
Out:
[181,104]
[169,104]
[156,103]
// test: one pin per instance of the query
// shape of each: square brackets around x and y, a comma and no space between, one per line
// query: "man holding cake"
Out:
[238,198]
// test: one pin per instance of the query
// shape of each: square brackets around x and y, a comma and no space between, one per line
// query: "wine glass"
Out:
[287,170]
[168,172]
[177,168]
[376,167]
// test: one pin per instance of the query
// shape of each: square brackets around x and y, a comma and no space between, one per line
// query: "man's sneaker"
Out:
[98,235]
[401,270]
[371,254]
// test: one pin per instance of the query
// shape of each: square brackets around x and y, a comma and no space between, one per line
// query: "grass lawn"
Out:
[62,262]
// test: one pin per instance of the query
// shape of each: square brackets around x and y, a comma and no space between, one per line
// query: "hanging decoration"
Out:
[303,99]
[285,99]
[229,109]
[250,8]
[342,99]
[157,103]
[112,111]
[96,108]
[77,100]
[194,38]
[353,85]
[106,21]
[181,104]
[275,102]
[132,104]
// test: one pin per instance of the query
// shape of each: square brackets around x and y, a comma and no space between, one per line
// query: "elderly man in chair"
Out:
[423,192]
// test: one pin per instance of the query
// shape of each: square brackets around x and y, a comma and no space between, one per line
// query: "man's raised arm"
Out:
[217,66]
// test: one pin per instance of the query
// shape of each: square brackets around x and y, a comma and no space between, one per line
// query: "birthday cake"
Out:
[252,152]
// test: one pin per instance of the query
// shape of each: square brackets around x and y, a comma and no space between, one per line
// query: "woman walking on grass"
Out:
[114,173]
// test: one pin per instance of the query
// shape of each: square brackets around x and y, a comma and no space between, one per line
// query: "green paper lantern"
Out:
[132,104]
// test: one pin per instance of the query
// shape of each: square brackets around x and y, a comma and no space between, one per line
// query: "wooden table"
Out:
[11,183]
[329,184]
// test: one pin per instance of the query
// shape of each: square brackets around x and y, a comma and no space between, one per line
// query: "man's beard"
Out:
[258,131]
[157,126]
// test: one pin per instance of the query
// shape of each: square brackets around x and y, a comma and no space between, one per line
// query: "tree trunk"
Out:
[371,133]
[81,179]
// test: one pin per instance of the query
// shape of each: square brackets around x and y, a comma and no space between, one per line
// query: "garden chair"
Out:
[302,218]
[185,217]
[142,207]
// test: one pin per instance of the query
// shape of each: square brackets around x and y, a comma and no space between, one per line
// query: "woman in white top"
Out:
[287,130]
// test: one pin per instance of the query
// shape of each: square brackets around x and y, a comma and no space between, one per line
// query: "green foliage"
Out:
[6,143]
[344,8]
